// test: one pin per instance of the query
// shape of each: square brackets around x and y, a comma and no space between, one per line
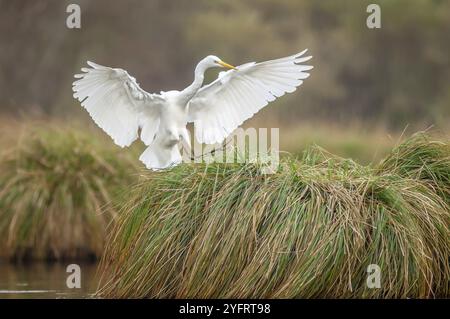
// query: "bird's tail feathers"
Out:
[156,157]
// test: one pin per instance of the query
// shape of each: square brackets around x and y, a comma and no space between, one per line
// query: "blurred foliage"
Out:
[397,75]
[58,188]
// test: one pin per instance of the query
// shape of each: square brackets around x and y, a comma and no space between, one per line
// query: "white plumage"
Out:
[121,108]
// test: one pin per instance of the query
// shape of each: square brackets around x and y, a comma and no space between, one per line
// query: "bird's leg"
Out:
[212,152]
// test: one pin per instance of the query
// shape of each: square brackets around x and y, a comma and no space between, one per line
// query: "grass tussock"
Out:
[53,183]
[311,230]
[424,159]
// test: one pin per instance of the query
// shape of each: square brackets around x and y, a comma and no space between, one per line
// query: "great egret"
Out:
[121,108]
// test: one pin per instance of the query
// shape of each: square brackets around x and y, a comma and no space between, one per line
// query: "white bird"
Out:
[122,109]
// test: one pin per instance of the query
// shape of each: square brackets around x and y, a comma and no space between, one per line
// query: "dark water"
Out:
[41,280]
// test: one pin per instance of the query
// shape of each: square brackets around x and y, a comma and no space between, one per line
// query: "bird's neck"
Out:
[199,75]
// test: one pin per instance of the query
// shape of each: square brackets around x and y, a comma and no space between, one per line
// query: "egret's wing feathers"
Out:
[220,107]
[117,104]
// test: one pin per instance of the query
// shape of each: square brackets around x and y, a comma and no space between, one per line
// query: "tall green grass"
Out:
[55,188]
[311,230]
[424,159]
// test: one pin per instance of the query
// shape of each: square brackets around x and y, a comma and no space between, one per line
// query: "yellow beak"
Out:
[226,65]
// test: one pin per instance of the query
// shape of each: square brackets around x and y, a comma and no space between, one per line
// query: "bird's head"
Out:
[213,61]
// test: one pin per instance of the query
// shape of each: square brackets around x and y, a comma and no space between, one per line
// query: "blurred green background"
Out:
[368,85]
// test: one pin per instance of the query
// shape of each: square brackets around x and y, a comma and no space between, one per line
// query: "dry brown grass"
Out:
[56,186]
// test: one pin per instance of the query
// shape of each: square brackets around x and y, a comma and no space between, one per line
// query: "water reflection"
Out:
[42,280]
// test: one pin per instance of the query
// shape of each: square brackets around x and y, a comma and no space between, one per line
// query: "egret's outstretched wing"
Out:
[220,107]
[117,104]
